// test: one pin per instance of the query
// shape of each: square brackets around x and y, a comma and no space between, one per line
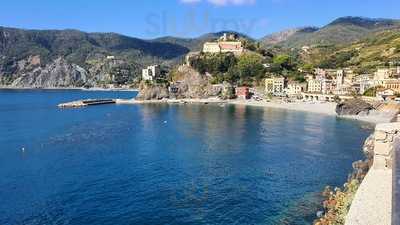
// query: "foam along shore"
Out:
[325,108]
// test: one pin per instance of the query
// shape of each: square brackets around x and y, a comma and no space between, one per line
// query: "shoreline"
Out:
[322,108]
[68,88]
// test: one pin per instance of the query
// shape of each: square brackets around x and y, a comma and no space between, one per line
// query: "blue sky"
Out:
[186,18]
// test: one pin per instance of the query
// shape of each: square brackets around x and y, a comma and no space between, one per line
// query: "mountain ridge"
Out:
[339,31]
[70,57]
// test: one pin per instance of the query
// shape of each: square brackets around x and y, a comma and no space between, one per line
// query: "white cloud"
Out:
[222,2]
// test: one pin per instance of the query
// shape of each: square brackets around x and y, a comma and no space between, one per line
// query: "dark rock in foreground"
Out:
[354,106]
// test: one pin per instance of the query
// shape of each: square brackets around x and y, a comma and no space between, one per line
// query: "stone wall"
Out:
[384,144]
[372,204]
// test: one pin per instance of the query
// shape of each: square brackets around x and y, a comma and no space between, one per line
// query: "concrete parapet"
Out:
[383,150]
[372,204]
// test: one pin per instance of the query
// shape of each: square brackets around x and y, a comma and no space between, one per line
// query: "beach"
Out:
[325,108]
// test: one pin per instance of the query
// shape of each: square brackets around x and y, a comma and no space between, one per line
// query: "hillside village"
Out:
[314,85]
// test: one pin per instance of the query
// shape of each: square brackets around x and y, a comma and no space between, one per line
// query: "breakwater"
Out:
[87,102]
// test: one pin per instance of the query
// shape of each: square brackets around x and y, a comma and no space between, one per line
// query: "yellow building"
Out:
[393,84]
[314,86]
[275,86]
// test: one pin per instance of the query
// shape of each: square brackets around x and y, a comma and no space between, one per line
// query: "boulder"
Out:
[354,106]
[152,91]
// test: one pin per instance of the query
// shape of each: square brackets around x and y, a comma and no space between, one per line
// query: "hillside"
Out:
[47,58]
[284,36]
[340,31]
[378,49]
[70,58]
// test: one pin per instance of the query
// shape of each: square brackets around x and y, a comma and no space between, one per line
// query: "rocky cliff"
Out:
[187,83]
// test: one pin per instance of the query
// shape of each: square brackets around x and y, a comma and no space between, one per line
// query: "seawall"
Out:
[372,204]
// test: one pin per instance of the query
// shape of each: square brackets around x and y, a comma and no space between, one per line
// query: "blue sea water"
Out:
[166,164]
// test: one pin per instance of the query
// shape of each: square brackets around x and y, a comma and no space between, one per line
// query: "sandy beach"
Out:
[325,108]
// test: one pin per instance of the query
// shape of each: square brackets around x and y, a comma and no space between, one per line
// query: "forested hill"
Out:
[69,58]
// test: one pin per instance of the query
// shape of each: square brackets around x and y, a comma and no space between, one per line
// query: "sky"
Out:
[186,18]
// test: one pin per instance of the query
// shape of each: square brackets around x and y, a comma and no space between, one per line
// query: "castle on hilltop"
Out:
[226,43]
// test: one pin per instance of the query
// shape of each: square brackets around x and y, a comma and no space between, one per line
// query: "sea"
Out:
[163,164]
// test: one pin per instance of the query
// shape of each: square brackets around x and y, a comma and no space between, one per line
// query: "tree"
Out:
[250,65]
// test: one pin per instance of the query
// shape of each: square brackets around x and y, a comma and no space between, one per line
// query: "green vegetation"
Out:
[227,67]
[247,69]
[377,50]
[338,203]
[371,92]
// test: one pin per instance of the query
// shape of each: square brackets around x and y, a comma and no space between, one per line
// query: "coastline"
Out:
[67,88]
[323,108]
[327,108]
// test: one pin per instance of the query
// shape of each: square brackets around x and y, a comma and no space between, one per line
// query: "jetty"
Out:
[86,102]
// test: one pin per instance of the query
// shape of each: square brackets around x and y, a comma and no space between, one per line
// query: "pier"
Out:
[87,102]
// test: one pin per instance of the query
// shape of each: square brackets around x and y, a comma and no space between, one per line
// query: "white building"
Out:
[382,74]
[151,73]
[211,47]
[365,81]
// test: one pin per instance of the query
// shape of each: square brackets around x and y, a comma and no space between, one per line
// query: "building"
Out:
[306,49]
[344,81]
[320,73]
[275,86]
[326,86]
[365,81]
[386,94]
[339,78]
[151,73]
[227,43]
[382,74]
[269,86]
[211,47]
[242,92]
[231,46]
[296,88]
[314,86]
[392,84]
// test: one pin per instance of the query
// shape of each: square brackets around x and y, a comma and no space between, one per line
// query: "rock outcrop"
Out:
[376,112]
[188,83]
[354,106]
[152,91]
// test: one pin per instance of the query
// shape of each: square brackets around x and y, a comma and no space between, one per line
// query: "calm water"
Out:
[160,164]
